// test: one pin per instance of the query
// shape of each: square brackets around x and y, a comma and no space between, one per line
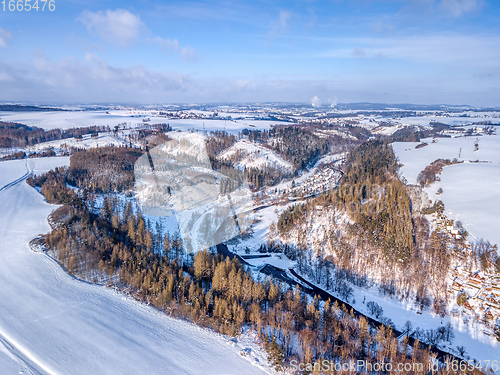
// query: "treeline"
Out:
[19,135]
[44,154]
[358,132]
[15,156]
[431,173]
[108,244]
[26,108]
[95,170]
[217,142]
[150,135]
[103,169]
[415,134]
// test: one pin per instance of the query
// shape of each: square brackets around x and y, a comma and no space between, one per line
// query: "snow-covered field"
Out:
[230,126]
[470,190]
[74,119]
[471,195]
[86,142]
[52,323]
[453,120]
[66,119]
[462,148]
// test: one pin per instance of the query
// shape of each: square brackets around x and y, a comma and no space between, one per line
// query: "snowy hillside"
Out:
[252,155]
[53,323]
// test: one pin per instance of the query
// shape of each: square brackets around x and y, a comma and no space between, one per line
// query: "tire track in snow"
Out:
[24,177]
[23,356]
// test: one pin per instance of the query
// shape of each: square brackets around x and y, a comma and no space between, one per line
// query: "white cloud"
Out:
[93,80]
[122,28]
[281,23]
[457,8]
[283,18]
[4,36]
[90,80]
[172,45]
[119,27]
[474,51]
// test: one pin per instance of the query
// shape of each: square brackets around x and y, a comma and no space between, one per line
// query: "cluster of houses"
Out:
[443,224]
[476,293]
[479,294]
[340,121]
[322,180]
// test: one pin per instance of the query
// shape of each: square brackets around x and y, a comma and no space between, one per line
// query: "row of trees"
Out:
[431,173]
[19,135]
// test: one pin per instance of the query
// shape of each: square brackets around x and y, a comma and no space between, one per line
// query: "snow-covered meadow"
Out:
[470,189]
[52,323]
[74,119]
[87,141]
[425,118]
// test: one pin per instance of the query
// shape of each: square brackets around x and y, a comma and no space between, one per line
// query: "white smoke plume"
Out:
[333,102]
[315,102]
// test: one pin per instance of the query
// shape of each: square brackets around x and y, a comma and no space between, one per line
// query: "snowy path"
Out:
[53,323]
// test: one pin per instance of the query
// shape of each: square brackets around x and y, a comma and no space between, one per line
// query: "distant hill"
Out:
[26,108]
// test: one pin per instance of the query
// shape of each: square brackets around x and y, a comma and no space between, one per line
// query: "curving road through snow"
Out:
[51,323]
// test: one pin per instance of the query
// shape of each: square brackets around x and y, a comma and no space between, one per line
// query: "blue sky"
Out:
[391,51]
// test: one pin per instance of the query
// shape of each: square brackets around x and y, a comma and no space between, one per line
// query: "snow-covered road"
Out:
[52,323]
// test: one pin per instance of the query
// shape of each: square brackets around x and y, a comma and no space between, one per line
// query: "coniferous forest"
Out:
[113,243]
